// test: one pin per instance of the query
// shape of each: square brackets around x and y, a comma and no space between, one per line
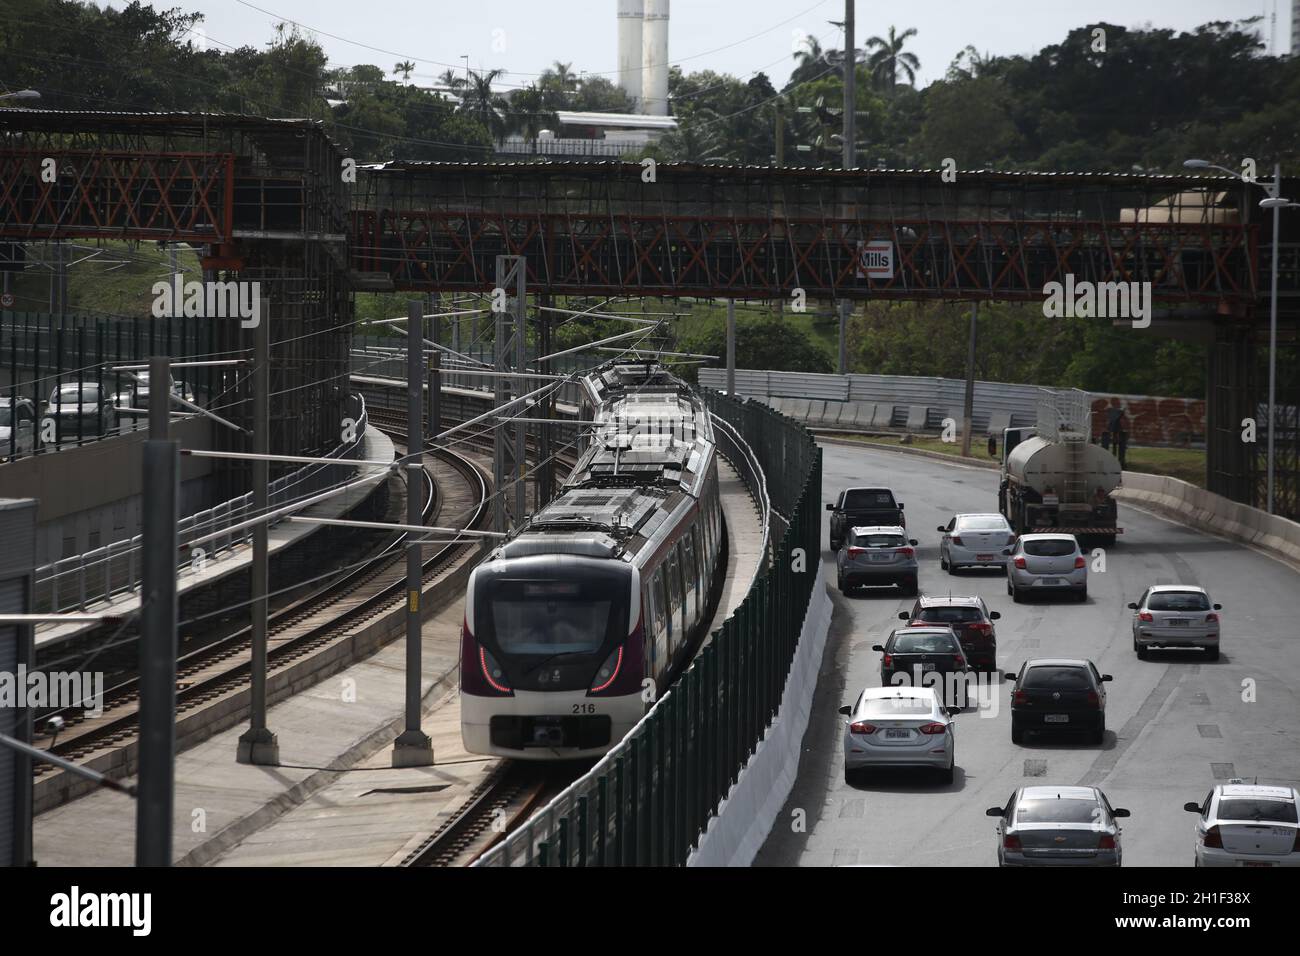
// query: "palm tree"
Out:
[487,107]
[452,81]
[970,63]
[406,67]
[888,58]
[810,61]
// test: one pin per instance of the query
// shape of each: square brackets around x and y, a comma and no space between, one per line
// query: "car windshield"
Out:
[863,499]
[1051,548]
[1064,678]
[924,644]
[879,540]
[1248,808]
[68,394]
[897,707]
[951,615]
[981,523]
[1060,810]
[1178,601]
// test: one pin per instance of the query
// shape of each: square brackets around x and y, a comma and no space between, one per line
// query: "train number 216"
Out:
[584,708]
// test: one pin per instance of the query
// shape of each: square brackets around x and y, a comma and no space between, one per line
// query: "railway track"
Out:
[458,496]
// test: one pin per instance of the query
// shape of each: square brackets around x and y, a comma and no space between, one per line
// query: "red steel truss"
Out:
[764,257]
[178,196]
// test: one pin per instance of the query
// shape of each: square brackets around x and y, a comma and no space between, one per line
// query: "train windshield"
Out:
[569,614]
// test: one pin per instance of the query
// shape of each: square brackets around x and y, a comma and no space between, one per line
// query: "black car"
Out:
[1058,694]
[969,617]
[863,508]
[917,651]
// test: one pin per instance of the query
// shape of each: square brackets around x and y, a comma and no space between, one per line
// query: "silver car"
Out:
[899,727]
[18,431]
[1176,615]
[971,540]
[1058,826]
[1247,825]
[1039,563]
[877,556]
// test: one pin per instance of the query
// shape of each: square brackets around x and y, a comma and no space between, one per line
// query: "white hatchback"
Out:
[1247,825]
[899,726]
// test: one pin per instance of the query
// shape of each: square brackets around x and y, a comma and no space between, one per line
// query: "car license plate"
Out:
[1049,582]
[882,557]
[1177,622]
[1255,863]
[1056,718]
[983,557]
[892,734]
[928,667]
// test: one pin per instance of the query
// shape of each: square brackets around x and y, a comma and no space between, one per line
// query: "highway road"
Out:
[1176,725]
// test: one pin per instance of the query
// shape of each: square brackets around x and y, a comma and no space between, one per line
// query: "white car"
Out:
[1176,615]
[899,726]
[18,432]
[1247,825]
[970,540]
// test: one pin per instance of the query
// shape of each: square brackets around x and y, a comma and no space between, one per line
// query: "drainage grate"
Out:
[1209,730]
[1035,768]
[1222,771]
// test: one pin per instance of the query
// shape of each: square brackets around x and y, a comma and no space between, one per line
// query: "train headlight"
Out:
[608,671]
[492,671]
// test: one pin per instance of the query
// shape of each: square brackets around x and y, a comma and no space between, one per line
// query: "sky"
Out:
[740,37]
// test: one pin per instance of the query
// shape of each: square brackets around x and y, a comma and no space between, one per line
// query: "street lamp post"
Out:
[1277,203]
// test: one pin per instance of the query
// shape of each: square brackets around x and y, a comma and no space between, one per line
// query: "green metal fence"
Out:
[647,802]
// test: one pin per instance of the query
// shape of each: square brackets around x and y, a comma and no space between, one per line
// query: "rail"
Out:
[648,800]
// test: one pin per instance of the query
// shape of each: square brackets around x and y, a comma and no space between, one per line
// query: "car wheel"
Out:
[1140,650]
[943,563]
[850,776]
[945,776]
[1017,732]
[911,590]
[835,545]
[1099,734]
[1212,654]
[1016,596]
[1083,594]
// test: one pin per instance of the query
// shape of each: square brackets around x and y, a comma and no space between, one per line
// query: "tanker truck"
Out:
[1054,478]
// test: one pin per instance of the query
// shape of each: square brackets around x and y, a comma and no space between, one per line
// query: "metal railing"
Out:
[75,582]
[651,797]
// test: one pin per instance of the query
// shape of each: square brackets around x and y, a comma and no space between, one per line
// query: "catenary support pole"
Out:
[968,408]
[731,346]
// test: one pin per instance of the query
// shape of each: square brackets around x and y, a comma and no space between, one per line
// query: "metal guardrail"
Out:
[650,798]
[75,582]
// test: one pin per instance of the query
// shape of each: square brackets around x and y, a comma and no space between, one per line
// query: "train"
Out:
[583,615]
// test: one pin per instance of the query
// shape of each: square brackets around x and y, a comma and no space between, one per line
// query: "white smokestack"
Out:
[630,13]
[654,59]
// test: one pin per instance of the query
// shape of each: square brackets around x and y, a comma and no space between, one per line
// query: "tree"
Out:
[887,59]
[406,68]
[762,341]
[481,103]
[452,81]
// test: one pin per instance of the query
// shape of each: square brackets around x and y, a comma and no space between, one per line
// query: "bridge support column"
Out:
[1232,465]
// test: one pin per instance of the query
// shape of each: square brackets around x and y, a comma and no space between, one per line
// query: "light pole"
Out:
[1276,202]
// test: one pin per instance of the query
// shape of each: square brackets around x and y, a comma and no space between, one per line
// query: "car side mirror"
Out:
[904,616]
[1133,605]
[1218,607]
[994,812]
[846,710]
[913,541]
[830,507]
[878,647]
[1106,678]
[1192,807]
[900,505]
[1120,812]
[1007,675]
[994,616]
[952,711]
[941,529]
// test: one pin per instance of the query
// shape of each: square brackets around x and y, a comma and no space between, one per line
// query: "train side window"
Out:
[678,581]
[663,620]
[692,575]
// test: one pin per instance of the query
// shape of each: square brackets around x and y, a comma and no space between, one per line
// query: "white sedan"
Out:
[1247,825]
[899,726]
[974,539]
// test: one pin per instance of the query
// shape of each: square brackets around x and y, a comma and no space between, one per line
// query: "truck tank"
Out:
[1073,469]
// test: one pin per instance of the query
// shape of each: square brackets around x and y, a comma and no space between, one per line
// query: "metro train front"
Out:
[588,610]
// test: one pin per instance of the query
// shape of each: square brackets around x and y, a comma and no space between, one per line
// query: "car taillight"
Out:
[1146,616]
[983,628]
[1079,562]
[1211,619]
[492,671]
[1213,839]
[932,728]
[1020,563]
[958,660]
[1093,698]
[854,552]
[906,552]
[862,727]
[608,671]
[1010,842]
[956,539]
[1020,697]
[888,661]
[1107,842]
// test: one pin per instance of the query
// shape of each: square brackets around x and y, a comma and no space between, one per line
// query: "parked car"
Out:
[971,540]
[1043,563]
[917,651]
[1058,694]
[899,727]
[18,432]
[80,410]
[863,508]
[1247,825]
[1176,615]
[969,617]
[1058,826]
[877,557]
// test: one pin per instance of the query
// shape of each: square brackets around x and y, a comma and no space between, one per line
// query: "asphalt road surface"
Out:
[1176,724]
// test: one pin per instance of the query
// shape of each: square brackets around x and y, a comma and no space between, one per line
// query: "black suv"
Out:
[969,617]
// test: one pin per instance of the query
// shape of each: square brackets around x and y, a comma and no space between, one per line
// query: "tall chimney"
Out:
[654,59]
[630,13]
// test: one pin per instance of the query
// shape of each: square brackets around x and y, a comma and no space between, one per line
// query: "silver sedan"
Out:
[970,540]
[899,727]
[1058,826]
[1176,615]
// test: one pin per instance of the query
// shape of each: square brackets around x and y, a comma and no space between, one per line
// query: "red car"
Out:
[969,617]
